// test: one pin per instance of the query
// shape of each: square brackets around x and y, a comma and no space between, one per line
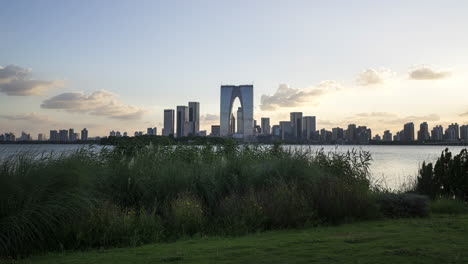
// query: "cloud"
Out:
[373,76]
[210,117]
[286,96]
[426,73]
[390,118]
[31,117]
[16,81]
[100,103]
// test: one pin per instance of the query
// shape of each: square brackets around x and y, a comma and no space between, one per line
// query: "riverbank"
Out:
[437,239]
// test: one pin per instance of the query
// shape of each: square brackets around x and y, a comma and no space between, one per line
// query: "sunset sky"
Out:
[115,65]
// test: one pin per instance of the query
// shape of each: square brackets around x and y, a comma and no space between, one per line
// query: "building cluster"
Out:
[62,135]
[185,121]
[452,133]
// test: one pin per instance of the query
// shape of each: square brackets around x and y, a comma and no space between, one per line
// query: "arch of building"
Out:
[245,94]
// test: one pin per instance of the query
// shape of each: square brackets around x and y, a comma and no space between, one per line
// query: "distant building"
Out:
[194,118]
[54,135]
[63,135]
[276,131]
[296,125]
[232,125]
[2,137]
[408,132]
[151,131]
[84,134]
[168,129]
[325,135]
[452,132]
[182,121]
[41,137]
[286,130]
[387,136]
[215,131]
[350,134]
[377,138]
[125,134]
[138,133]
[464,133]
[240,121]
[337,134]
[423,133]
[71,134]
[202,133]
[24,137]
[437,133]
[112,133]
[308,127]
[265,126]
[10,137]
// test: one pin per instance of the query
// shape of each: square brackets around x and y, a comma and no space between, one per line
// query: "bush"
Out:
[449,206]
[403,205]
[141,193]
[447,178]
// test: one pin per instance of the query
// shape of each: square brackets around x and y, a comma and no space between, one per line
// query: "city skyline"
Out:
[407,64]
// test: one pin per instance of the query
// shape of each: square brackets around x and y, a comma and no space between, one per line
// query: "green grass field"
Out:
[437,239]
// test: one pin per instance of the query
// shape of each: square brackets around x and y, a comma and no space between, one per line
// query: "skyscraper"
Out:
[296,125]
[194,118]
[63,135]
[71,134]
[387,136]
[308,127]
[337,134]
[464,133]
[351,133]
[265,125]
[54,136]
[245,94]
[168,129]
[182,119]
[423,133]
[408,132]
[240,121]
[437,133]
[286,129]
[84,134]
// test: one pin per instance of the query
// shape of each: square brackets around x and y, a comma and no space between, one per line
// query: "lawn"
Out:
[437,239]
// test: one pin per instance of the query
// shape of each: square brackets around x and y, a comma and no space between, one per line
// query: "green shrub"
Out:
[186,215]
[449,206]
[403,205]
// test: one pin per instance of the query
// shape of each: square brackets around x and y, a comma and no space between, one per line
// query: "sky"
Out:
[115,65]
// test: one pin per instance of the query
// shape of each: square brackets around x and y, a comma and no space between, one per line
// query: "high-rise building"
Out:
[112,134]
[308,127]
[151,131]
[265,125]
[194,118]
[84,134]
[455,129]
[215,131]
[10,137]
[437,133]
[24,137]
[464,133]
[296,125]
[423,133]
[240,121]
[168,129]
[40,137]
[387,136]
[71,134]
[182,121]
[54,135]
[63,135]
[337,134]
[232,128]
[286,129]
[245,94]
[408,129]
[276,131]
[351,133]
[377,138]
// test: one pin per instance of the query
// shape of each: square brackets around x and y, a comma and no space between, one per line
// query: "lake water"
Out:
[393,165]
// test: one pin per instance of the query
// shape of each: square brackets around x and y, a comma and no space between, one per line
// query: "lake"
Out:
[393,165]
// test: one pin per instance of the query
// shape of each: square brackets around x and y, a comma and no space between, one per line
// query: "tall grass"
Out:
[128,197]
